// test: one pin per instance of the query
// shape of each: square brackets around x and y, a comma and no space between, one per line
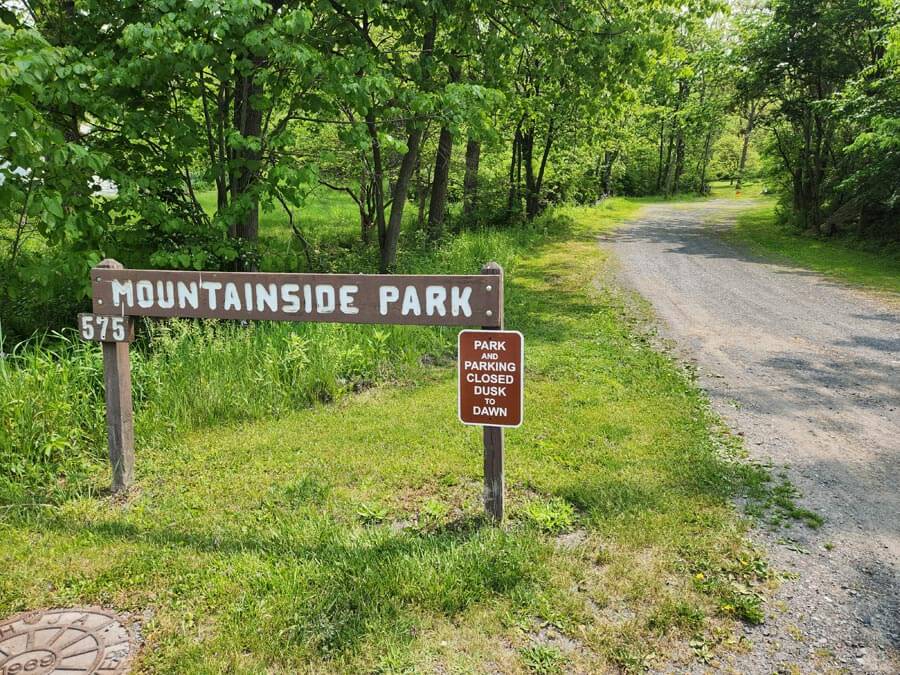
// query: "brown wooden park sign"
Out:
[430,300]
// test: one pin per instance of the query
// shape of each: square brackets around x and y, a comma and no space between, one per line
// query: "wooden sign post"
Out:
[117,383]
[494,487]
[430,300]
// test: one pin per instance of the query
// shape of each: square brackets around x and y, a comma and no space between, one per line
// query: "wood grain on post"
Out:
[119,415]
[493,436]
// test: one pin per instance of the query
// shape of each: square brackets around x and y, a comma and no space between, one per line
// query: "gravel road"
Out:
[808,371]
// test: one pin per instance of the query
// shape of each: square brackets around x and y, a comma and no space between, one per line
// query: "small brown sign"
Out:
[106,328]
[491,377]
[436,300]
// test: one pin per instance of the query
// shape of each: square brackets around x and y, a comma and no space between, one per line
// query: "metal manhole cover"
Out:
[65,641]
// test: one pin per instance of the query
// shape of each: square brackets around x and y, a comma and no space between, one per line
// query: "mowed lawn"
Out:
[350,537]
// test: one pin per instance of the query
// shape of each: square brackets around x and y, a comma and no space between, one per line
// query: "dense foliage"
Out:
[119,118]
[831,73]
[173,133]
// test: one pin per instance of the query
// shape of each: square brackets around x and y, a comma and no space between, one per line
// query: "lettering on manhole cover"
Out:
[70,641]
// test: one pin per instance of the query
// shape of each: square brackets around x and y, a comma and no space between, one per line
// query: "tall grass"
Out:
[51,417]
[191,374]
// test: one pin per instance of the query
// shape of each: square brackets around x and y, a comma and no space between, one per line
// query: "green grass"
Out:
[327,215]
[719,189]
[349,537]
[186,375]
[750,189]
[864,264]
[328,221]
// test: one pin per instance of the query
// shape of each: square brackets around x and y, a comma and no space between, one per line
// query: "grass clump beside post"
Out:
[51,418]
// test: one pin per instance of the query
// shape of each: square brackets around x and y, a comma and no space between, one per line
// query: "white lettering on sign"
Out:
[459,301]
[490,365]
[321,298]
[346,299]
[490,378]
[232,299]
[435,297]
[492,411]
[415,299]
[386,296]
[210,287]
[105,328]
[411,303]
[120,289]
[324,299]
[491,345]
[290,299]
[144,294]
[166,293]
[266,296]
[188,295]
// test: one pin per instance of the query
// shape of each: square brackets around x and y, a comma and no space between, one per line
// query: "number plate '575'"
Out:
[106,328]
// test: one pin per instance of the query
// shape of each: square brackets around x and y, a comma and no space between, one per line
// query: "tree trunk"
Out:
[820,167]
[808,196]
[519,173]
[539,184]
[705,161]
[609,158]
[221,155]
[470,181]
[401,190]
[440,186]
[534,182]
[377,179]
[667,167]
[679,163]
[247,122]
[422,184]
[745,146]
[659,165]
[513,199]
[365,220]
[527,153]
[388,255]
[676,143]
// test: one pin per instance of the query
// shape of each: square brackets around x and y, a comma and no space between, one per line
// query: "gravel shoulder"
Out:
[808,371]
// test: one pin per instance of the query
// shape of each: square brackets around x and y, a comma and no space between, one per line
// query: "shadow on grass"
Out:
[323,588]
